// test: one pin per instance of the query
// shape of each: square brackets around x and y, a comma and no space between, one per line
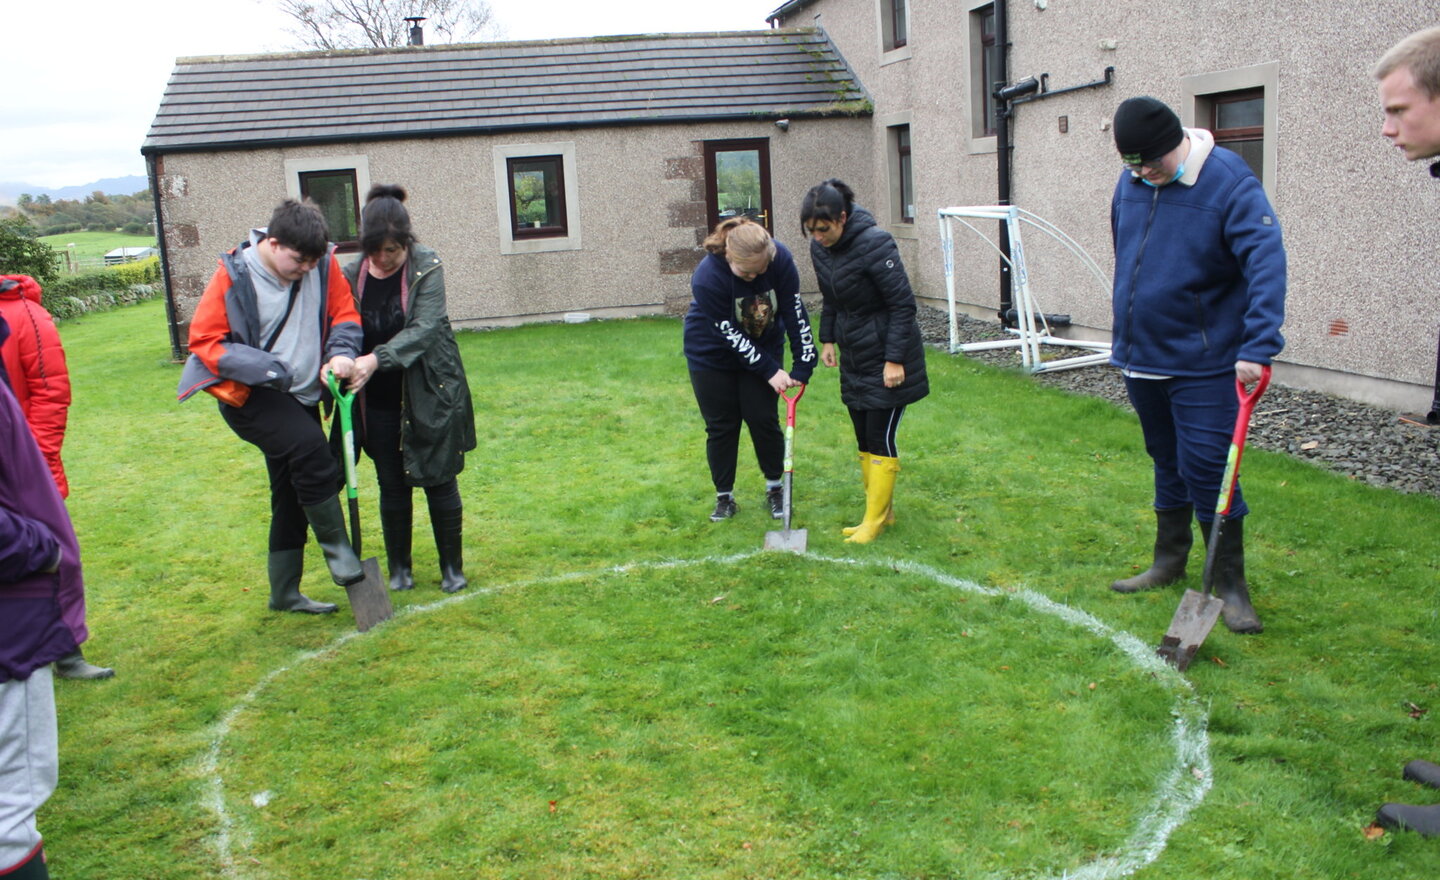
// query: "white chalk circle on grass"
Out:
[1178,790]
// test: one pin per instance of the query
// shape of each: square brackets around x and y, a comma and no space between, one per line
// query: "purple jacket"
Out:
[34,630]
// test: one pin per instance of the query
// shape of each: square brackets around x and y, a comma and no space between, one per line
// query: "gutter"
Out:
[861,104]
[152,163]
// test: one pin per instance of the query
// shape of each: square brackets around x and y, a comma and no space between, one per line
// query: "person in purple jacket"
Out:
[1199,297]
[42,618]
[745,302]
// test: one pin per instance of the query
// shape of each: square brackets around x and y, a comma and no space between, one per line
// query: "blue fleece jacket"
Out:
[1199,271]
[734,324]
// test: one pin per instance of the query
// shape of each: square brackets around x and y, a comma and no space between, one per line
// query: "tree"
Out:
[21,254]
[360,24]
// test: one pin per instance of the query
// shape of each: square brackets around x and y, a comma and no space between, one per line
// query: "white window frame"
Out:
[509,244]
[1196,105]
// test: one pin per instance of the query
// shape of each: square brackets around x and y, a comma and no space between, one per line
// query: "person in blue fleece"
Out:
[745,302]
[1199,297]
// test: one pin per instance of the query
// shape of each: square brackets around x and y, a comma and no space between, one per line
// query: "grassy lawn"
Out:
[628,690]
[95,245]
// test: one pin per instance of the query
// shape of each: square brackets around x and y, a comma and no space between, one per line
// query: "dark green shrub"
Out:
[21,254]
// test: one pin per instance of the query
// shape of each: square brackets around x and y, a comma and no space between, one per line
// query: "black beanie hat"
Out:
[1146,129]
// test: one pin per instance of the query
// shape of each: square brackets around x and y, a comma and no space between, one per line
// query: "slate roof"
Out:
[314,97]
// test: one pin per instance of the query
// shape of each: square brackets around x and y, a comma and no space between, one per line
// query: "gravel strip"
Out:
[1363,442]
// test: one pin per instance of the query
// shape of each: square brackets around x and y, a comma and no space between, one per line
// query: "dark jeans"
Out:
[303,470]
[875,430]
[381,441]
[726,399]
[1188,423]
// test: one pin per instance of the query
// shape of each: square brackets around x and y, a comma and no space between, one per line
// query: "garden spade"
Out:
[1198,611]
[788,539]
[369,599]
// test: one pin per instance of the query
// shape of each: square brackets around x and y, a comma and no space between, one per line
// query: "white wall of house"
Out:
[636,220]
[1358,220]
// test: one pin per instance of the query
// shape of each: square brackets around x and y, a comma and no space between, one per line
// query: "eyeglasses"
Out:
[1152,164]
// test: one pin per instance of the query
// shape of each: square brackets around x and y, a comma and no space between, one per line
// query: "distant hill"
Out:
[110,186]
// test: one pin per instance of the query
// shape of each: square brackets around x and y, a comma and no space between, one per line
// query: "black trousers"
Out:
[303,470]
[381,440]
[726,400]
[875,430]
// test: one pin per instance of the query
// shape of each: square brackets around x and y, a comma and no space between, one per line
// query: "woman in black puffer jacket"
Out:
[869,312]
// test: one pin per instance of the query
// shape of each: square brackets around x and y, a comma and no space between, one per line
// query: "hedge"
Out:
[100,290]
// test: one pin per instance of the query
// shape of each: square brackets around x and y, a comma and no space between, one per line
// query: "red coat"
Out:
[35,363]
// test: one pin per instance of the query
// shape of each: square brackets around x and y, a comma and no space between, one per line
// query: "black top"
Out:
[382,316]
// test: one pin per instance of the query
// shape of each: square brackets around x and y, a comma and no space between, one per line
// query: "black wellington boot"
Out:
[1229,578]
[74,665]
[1424,821]
[33,869]
[397,526]
[1423,772]
[1173,540]
[447,526]
[328,524]
[285,568]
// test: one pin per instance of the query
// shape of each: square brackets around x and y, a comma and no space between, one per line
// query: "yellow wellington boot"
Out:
[865,482]
[879,492]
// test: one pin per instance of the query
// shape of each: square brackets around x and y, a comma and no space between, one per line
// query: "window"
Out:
[905,178]
[984,62]
[334,191]
[899,171]
[988,61]
[737,181]
[1239,107]
[892,21]
[896,29]
[1237,119]
[334,183]
[537,196]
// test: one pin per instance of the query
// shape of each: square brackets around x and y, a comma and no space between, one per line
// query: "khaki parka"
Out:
[439,418]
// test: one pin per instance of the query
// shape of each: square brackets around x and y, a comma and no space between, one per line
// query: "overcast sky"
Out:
[84,77]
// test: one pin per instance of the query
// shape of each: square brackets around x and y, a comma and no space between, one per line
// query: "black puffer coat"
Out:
[869,312]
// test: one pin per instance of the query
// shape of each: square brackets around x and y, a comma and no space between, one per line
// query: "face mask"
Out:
[1179,173]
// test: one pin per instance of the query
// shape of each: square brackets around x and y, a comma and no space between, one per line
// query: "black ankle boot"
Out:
[447,526]
[1228,578]
[1173,540]
[285,568]
[397,525]
[328,523]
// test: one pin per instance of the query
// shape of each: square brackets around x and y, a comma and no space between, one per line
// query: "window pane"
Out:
[989,63]
[1252,151]
[538,189]
[737,183]
[334,193]
[906,180]
[902,29]
[1249,113]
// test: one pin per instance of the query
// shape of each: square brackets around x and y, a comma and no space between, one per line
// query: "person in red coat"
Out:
[35,363]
